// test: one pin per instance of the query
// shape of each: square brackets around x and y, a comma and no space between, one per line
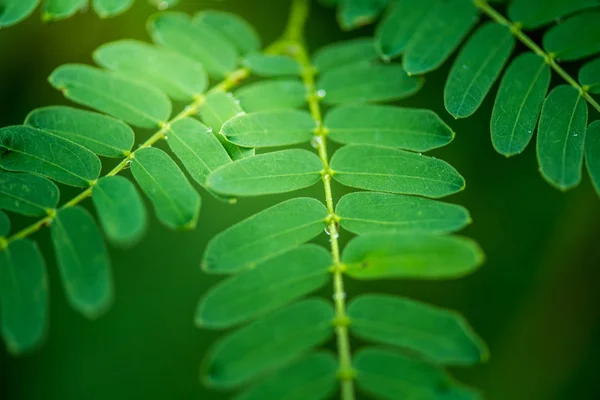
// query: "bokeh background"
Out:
[536,301]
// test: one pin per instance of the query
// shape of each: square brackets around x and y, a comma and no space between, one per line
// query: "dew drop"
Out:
[237,102]
[575,134]
[229,94]
[316,141]
[326,229]
[166,137]
[339,296]
[420,154]
[335,235]
[321,93]
[209,130]
[241,113]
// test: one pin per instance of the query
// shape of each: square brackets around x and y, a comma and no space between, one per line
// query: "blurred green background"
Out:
[536,301]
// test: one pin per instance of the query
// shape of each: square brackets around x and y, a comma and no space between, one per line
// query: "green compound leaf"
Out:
[407,128]
[55,10]
[270,128]
[271,285]
[518,103]
[98,133]
[561,137]
[176,203]
[200,42]
[111,8]
[267,234]
[576,38]
[14,11]
[356,13]
[277,172]
[312,377]
[269,343]
[271,65]
[532,14]
[23,296]
[397,28]
[366,213]
[27,194]
[592,153]
[367,83]
[411,256]
[442,336]
[130,100]
[120,210]
[272,95]
[441,31]
[4,224]
[476,68]
[388,375]
[83,261]
[177,75]
[218,107]
[341,54]
[395,171]
[26,149]
[589,76]
[237,30]
[197,148]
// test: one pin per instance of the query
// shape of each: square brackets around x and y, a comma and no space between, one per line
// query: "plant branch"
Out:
[549,58]
[293,44]
[229,82]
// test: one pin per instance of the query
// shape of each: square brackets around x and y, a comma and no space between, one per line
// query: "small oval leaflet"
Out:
[178,76]
[314,375]
[277,172]
[341,54]
[271,285]
[411,256]
[120,210]
[98,133]
[406,128]
[83,261]
[395,171]
[197,148]
[589,76]
[265,235]
[389,375]
[274,94]
[366,213]
[23,296]
[476,68]
[14,11]
[28,149]
[270,128]
[575,38]
[269,343]
[27,194]
[354,14]
[270,65]
[55,10]
[196,40]
[561,137]
[110,8]
[176,203]
[367,83]
[592,153]
[442,336]
[518,103]
[532,14]
[236,29]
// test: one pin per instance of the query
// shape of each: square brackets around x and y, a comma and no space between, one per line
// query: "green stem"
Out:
[550,59]
[229,82]
[296,47]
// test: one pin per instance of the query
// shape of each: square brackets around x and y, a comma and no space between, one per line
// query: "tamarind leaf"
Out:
[83,261]
[236,29]
[102,135]
[265,235]
[442,336]
[178,76]
[269,128]
[355,13]
[23,296]
[27,149]
[344,53]
[131,100]
[278,172]
[399,255]
[367,213]
[561,136]
[269,65]
[269,343]
[27,194]
[120,210]
[55,10]
[267,287]
[406,128]
[532,14]
[518,103]
[575,38]
[273,94]
[14,11]
[394,171]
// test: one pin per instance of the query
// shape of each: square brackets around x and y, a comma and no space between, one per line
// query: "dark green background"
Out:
[536,301]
